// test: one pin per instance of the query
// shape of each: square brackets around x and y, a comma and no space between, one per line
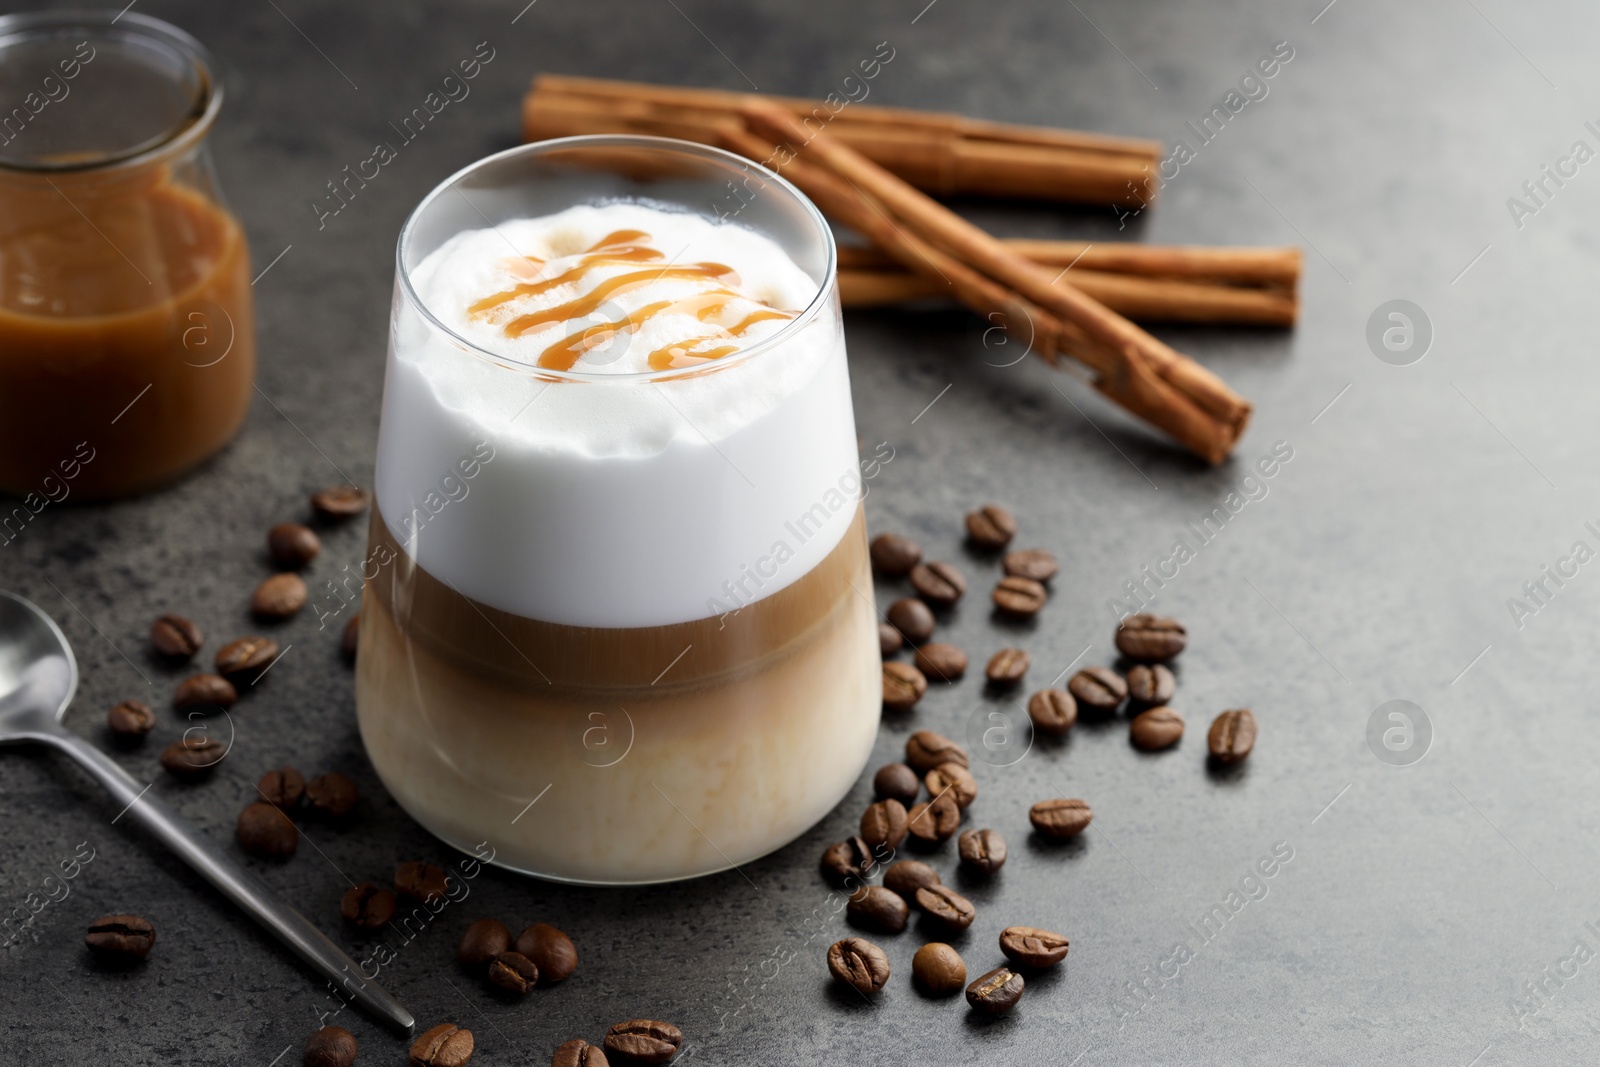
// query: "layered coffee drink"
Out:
[618,618]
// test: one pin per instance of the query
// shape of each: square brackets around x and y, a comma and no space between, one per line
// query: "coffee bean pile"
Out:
[1020,593]
[935,767]
[938,971]
[291,546]
[898,816]
[241,664]
[1149,642]
[1146,641]
[637,1041]
[941,767]
[539,956]
[266,827]
[368,906]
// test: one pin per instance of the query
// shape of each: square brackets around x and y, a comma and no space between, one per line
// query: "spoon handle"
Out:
[238,884]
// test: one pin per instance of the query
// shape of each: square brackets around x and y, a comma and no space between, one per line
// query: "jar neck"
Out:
[93,93]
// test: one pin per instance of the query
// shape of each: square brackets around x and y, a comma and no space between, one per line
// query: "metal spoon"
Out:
[38,676]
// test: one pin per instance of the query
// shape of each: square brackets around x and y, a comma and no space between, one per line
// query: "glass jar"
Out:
[127,347]
[618,625]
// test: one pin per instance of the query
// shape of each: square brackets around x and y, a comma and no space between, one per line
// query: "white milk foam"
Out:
[614,503]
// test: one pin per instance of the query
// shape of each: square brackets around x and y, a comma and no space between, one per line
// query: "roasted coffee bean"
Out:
[551,951]
[292,545]
[481,942]
[894,555]
[912,618]
[896,781]
[1006,667]
[1150,685]
[446,1045]
[1028,946]
[877,908]
[204,691]
[579,1053]
[925,750]
[1053,711]
[266,832]
[1019,596]
[193,757]
[941,662]
[848,864]
[339,502]
[131,720]
[859,964]
[350,640]
[1151,638]
[903,686]
[982,851]
[332,1046]
[884,824]
[1155,729]
[1061,817]
[907,876]
[175,637]
[279,597]
[933,823]
[1034,563]
[242,661]
[997,992]
[952,779]
[937,970]
[945,906]
[331,795]
[367,906]
[1232,735]
[282,788]
[991,527]
[422,882]
[121,939]
[939,583]
[1098,689]
[889,640]
[512,972]
[643,1041]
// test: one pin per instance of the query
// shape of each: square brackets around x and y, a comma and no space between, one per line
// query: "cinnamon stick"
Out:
[896,117]
[1138,297]
[1127,381]
[943,153]
[1149,377]
[1267,267]
[835,198]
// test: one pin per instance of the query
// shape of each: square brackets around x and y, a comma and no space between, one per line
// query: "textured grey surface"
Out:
[1416,908]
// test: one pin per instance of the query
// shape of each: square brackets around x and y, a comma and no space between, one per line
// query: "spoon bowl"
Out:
[38,672]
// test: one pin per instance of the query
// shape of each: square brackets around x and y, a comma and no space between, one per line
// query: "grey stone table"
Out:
[1438,912]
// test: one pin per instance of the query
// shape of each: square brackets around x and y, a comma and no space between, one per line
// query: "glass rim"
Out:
[825,288]
[181,135]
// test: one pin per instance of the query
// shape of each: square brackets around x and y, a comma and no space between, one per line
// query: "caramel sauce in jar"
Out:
[127,340]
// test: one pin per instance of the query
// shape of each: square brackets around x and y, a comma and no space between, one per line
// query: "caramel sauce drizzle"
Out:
[621,248]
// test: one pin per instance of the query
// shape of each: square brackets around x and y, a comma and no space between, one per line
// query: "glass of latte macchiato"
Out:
[618,619]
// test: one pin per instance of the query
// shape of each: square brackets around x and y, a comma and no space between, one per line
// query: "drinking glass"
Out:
[618,626]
